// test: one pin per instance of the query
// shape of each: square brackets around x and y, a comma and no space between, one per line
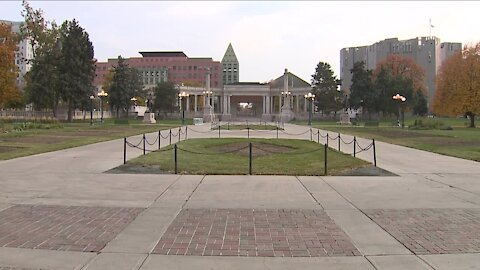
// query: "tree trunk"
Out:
[69,113]
[472,119]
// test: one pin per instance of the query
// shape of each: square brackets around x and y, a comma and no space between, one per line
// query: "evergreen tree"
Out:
[362,91]
[420,104]
[125,84]
[77,67]
[165,97]
[328,98]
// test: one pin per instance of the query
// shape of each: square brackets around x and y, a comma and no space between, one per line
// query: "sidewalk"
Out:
[60,211]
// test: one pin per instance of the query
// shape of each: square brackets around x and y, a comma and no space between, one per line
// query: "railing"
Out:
[176,134]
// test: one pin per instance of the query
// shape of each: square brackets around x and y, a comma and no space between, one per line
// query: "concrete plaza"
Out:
[59,210]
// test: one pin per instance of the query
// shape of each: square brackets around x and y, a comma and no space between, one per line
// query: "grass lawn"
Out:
[231,156]
[460,142]
[52,137]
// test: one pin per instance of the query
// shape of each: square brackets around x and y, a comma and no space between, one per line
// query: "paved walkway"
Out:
[60,211]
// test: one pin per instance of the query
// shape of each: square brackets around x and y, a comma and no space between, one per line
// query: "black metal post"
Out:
[101,108]
[250,158]
[311,138]
[327,140]
[219,128]
[91,116]
[179,133]
[248,132]
[228,125]
[175,158]
[186,132]
[354,146]
[325,156]
[183,117]
[277,132]
[374,154]
[144,143]
[318,136]
[124,150]
[159,139]
[339,141]
[170,137]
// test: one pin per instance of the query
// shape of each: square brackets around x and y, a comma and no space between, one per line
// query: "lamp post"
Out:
[102,95]
[181,96]
[134,100]
[310,97]
[401,99]
[92,97]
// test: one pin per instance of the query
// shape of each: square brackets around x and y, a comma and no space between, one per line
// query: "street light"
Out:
[310,97]
[102,95]
[134,100]
[92,97]
[401,99]
[181,96]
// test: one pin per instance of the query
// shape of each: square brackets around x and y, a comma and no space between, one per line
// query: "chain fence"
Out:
[172,134]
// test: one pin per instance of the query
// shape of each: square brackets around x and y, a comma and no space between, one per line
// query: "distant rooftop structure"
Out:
[164,54]
[231,67]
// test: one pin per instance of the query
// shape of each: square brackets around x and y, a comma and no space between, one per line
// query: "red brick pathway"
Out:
[432,231]
[260,233]
[72,228]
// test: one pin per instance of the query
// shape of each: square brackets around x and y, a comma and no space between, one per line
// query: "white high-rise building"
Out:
[23,54]
[428,52]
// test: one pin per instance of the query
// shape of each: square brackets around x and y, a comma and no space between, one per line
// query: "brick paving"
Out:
[72,228]
[16,268]
[255,233]
[432,231]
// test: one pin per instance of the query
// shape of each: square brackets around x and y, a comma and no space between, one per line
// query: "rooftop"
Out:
[163,54]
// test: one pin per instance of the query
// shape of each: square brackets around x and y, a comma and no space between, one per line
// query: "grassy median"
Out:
[231,156]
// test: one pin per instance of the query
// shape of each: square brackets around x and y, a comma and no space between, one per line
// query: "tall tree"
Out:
[165,97]
[325,84]
[404,67]
[9,92]
[43,87]
[458,85]
[77,66]
[386,87]
[125,84]
[362,92]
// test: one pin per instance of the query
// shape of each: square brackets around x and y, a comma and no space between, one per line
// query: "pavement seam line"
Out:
[143,262]
[360,210]
[163,192]
[89,262]
[310,193]
[191,194]
[448,185]
[371,263]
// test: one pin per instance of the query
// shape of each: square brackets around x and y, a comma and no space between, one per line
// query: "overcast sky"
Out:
[267,36]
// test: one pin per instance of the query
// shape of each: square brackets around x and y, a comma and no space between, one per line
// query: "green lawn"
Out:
[35,139]
[460,142]
[231,156]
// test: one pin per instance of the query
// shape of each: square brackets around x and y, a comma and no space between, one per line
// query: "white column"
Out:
[195,103]
[305,104]
[188,104]
[228,104]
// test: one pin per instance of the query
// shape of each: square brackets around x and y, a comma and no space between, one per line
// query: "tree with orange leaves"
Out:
[9,93]
[458,85]
[405,67]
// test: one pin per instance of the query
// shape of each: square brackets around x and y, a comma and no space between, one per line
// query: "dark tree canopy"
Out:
[362,91]
[165,97]
[125,84]
[325,83]
[77,67]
